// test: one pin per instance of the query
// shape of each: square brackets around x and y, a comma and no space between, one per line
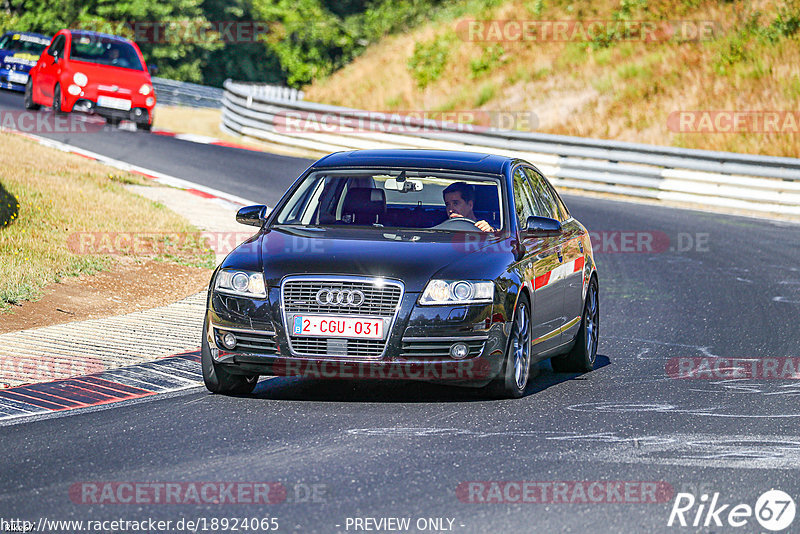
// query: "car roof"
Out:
[425,159]
[29,34]
[98,34]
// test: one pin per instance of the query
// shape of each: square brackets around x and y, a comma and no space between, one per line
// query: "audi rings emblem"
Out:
[340,297]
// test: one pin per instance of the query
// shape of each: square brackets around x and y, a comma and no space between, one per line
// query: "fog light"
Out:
[229,340]
[459,351]
[74,90]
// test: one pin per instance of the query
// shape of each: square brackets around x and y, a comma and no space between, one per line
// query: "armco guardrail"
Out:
[174,93]
[725,179]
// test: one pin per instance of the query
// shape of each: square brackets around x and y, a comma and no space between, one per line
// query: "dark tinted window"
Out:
[57,48]
[545,204]
[523,198]
[23,43]
[104,51]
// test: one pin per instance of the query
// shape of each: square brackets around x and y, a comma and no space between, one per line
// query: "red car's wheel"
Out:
[57,100]
[29,103]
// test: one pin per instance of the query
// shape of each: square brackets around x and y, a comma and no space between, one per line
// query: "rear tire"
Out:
[516,371]
[217,379]
[57,100]
[582,356]
[29,103]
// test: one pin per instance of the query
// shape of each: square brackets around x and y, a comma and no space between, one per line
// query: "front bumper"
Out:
[417,347]
[137,114]
[17,84]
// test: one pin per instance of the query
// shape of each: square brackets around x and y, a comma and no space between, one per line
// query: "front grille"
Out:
[300,296]
[432,349]
[381,299]
[341,348]
[250,341]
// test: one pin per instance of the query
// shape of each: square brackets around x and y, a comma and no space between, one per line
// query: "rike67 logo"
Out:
[774,510]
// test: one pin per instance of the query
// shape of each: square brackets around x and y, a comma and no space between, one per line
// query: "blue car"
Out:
[19,52]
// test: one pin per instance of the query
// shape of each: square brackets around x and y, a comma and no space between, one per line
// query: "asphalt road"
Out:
[387,449]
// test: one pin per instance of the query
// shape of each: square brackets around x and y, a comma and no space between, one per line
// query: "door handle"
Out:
[560,255]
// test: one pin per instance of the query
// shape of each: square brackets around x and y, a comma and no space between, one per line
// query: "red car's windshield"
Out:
[104,51]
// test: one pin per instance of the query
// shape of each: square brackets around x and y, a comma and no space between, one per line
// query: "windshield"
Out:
[394,198]
[105,51]
[17,42]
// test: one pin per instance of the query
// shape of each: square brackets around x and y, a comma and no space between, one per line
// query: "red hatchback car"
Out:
[95,73]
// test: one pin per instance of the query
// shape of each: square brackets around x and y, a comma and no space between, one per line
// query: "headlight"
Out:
[145,90]
[457,292]
[80,79]
[244,283]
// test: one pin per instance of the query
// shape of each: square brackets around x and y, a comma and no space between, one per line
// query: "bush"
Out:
[9,207]
[429,59]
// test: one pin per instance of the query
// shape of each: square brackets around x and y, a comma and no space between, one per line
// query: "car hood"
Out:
[108,75]
[410,255]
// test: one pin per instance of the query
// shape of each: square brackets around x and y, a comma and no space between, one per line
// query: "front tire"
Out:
[217,379]
[57,100]
[583,355]
[29,103]
[513,379]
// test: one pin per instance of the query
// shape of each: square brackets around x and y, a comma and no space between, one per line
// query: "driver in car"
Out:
[459,198]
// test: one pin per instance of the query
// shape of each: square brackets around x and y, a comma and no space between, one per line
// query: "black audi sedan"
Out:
[451,267]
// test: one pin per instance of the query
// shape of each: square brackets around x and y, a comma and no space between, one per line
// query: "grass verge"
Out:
[61,195]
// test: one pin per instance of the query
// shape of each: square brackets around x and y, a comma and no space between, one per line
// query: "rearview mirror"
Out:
[542,226]
[404,187]
[252,215]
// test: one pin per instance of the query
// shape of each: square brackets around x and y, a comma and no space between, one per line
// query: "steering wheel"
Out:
[457,223]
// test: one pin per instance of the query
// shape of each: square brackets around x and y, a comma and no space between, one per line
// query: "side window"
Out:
[523,198]
[560,203]
[57,48]
[546,205]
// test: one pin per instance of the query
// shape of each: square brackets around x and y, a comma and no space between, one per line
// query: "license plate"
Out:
[113,103]
[324,326]
[17,77]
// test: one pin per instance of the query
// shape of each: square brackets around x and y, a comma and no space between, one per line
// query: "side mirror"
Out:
[542,226]
[252,215]
[152,69]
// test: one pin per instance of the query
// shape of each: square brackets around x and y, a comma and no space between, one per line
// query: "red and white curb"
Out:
[204,140]
[172,374]
[159,177]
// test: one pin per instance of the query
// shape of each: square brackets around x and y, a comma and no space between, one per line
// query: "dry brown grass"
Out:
[61,194]
[624,92]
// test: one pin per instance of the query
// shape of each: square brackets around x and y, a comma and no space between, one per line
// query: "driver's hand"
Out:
[484,226]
